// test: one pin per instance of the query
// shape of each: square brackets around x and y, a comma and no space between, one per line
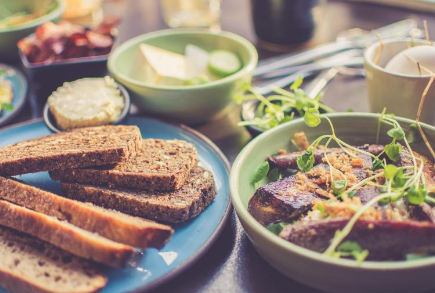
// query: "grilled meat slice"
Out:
[280,201]
[288,161]
[285,200]
[385,240]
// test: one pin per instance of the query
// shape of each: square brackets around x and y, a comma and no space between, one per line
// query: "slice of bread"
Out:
[64,235]
[74,149]
[174,206]
[29,265]
[162,165]
[111,224]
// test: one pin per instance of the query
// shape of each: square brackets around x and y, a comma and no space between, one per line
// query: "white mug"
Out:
[399,93]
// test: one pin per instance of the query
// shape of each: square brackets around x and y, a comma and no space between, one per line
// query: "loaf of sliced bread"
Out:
[162,165]
[110,224]
[74,149]
[64,235]
[173,206]
[29,265]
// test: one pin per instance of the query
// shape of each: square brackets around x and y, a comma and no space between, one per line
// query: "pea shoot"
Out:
[400,182]
[282,106]
[305,161]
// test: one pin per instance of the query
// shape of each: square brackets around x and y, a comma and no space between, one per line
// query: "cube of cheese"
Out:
[159,67]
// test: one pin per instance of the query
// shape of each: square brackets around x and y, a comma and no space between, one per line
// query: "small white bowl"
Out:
[399,93]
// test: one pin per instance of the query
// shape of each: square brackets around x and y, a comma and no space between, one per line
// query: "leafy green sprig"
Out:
[5,106]
[398,183]
[281,107]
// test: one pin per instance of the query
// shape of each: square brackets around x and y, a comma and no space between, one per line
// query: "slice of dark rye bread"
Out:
[111,224]
[173,206]
[64,235]
[29,265]
[74,149]
[161,165]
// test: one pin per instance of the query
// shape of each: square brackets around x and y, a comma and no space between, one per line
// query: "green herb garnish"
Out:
[261,172]
[274,174]
[312,118]
[280,107]
[352,249]
[338,186]
[416,195]
[7,107]
[305,161]
[393,151]
[277,228]
[390,171]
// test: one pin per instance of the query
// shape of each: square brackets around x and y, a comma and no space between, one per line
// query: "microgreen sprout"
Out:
[400,182]
[282,106]
[261,172]
[305,161]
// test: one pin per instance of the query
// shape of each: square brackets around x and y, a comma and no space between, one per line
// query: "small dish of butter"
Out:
[86,102]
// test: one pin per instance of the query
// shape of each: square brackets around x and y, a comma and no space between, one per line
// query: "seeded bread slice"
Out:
[162,165]
[64,235]
[111,224]
[74,149]
[174,206]
[29,265]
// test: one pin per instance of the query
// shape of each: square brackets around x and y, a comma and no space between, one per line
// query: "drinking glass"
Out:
[191,13]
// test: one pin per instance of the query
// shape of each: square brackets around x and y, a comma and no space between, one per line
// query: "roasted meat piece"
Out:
[385,240]
[281,201]
[289,198]
[288,160]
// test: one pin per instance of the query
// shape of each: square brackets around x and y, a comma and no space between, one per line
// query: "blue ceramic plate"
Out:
[19,86]
[190,240]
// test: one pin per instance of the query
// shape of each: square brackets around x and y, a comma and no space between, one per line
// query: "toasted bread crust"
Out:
[74,149]
[107,223]
[64,235]
[162,165]
[18,249]
[176,206]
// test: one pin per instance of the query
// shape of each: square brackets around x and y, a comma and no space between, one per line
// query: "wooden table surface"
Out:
[232,264]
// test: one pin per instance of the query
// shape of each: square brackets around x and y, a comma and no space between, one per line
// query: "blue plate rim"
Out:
[22,102]
[225,218]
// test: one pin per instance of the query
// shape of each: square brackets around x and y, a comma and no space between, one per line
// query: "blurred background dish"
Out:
[191,13]
[19,18]
[16,82]
[84,12]
[192,104]
[65,52]
[282,25]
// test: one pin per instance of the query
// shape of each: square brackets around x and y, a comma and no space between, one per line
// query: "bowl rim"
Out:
[57,12]
[369,52]
[51,123]
[274,240]
[248,67]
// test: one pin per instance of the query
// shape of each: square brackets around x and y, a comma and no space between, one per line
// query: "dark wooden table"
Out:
[232,264]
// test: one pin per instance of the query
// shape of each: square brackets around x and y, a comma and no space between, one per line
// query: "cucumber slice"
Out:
[223,63]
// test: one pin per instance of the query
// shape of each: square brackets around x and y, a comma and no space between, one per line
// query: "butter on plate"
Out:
[86,102]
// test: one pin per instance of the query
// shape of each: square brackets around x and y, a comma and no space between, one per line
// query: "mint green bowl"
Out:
[308,267]
[10,36]
[186,104]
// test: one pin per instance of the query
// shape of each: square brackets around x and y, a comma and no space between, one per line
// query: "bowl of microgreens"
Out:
[260,113]
[342,202]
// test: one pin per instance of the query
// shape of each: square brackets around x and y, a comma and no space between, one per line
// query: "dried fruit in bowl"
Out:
[65,40]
